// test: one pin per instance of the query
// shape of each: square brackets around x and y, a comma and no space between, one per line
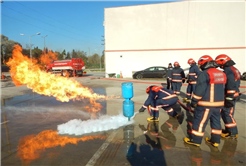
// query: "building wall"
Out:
[137,37]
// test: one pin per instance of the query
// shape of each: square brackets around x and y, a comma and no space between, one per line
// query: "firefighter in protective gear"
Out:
[208,100]
[191,80]
[169,76]
[178,77]
[159,97]
[231,94]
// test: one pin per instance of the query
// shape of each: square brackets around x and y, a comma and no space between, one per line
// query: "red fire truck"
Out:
[70,67]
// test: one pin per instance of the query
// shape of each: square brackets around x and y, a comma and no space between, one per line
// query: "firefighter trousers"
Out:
[166,105]
[227,115]
[190,89]
[176,87]
[201,116]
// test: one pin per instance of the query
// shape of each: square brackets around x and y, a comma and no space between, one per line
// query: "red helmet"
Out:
[190,61]
[176,64]
[222,59]
[148,89]
[204,59]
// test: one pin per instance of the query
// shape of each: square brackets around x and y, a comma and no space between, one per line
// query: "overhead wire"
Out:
[48,16]
[42,21]
[41,28]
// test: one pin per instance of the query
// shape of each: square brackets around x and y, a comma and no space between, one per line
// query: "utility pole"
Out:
[44,40]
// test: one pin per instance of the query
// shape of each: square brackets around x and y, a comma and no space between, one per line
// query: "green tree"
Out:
[74,54]
[36,52]
[6,48]
[68,56]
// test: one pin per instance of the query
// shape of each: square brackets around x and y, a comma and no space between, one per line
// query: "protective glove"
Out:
[193,104]
[229,102]
[187,81]
[141,109]
[183,80]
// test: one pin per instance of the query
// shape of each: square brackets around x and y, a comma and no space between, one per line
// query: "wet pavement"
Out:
[29,131]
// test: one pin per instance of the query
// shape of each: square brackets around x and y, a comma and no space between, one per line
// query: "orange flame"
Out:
[30,147]
[25,72]
[47,58]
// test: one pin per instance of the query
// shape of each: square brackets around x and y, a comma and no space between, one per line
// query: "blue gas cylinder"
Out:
[128,108]
[127,90]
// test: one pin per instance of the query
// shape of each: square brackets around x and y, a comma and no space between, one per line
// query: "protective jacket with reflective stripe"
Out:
[210,88]
[193,72]
[233,81]
[157,92]
[178,74]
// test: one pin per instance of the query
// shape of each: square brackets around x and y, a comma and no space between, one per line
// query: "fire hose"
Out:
[186,108]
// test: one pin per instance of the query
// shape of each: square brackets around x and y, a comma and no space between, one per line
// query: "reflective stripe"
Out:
[192,82]
[171,110]
[212,104]
[192,74]
[154,109]
[177,92]
[196,97]
[236,94]
[165,92]
[165,105]
[144,106]
[211,92]
[231,125]
[231,91]
[176,80]
[175,74]
[197,133]
[204,118]
[214,131]
[188,94]
[169,97]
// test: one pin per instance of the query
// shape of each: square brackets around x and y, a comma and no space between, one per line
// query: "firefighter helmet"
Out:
[176,64]
[190,61]
[222,59]
[204,59]
[148,89]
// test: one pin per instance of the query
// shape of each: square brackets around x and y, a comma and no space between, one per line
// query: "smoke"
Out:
[103,123]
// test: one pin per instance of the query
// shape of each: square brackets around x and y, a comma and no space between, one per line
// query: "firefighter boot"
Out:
[188,141]
[153,119]
[229,135]
[211,143]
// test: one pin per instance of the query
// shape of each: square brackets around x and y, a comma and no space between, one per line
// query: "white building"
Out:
[137,37]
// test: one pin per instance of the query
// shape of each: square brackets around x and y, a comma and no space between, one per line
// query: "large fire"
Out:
[25,71]
[31,146]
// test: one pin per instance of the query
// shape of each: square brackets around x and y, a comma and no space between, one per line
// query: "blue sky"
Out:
[68,24]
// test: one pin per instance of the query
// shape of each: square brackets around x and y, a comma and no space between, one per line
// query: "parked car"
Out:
[243,76]
[151,72]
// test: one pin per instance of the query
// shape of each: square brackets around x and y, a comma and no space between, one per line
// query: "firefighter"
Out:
[159,97]
[208,100]
[169,76]
[231,94]
[191,80]
[178,77]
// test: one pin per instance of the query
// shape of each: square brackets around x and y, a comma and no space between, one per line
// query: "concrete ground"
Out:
[29,124]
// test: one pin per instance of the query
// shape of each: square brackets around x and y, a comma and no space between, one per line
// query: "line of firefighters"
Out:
[211,92]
